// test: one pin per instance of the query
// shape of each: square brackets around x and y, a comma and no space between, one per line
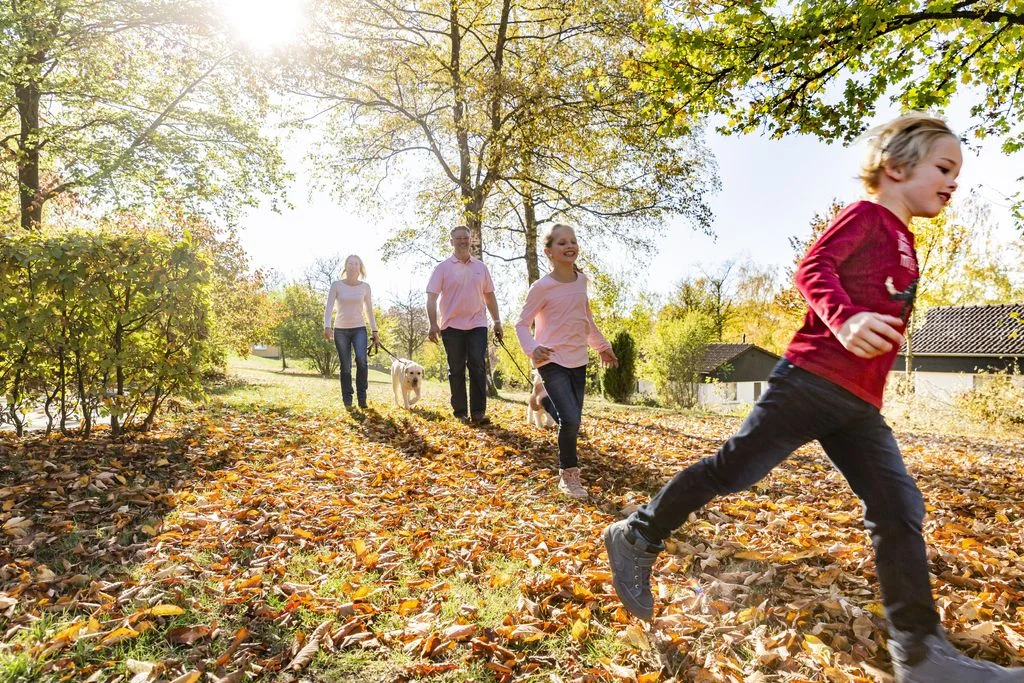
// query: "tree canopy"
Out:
[821,67]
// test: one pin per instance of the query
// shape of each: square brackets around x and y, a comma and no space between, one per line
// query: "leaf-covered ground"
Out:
[272,536]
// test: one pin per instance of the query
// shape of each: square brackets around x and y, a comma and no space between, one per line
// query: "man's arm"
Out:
[432,317]
[492,308]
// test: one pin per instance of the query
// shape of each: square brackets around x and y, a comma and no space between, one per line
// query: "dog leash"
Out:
[378,345]
[501,342]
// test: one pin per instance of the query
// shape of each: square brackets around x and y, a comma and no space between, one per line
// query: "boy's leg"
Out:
[796,408]
[866,453]
[790,413]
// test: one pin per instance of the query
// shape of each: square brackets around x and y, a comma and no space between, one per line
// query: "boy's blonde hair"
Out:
[900,143]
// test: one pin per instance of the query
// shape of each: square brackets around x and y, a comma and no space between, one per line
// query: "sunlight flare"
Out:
[264,25]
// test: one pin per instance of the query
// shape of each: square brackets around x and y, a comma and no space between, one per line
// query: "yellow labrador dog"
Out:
[407,379]
[535,413]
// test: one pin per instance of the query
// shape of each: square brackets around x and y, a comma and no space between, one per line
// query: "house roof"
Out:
[717,355]
[971,331]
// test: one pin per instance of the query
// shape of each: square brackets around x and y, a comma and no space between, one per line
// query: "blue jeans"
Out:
[467,348]
[565,403]
[799,407]
[345,340]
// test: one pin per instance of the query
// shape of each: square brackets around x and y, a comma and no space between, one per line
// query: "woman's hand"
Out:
[608,359]
[328,333]
[541,354]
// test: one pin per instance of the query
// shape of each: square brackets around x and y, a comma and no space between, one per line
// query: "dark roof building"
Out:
[737,363]
[967,339]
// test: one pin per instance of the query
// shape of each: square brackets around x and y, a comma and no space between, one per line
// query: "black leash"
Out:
[372,350]
[501,342]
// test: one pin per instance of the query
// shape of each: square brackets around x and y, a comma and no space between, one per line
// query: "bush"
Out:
[619,382]
[997,400]
[114,319]
[673,356]
[300,329]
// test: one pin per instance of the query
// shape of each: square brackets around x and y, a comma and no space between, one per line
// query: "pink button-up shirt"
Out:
[561,313]
[461,287]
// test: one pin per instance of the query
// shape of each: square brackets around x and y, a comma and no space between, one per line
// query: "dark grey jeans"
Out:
[799,407]
[467,349]
[347,340]
[565,387]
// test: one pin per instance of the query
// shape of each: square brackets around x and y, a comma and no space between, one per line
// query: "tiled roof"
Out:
[717,355]
[971,330]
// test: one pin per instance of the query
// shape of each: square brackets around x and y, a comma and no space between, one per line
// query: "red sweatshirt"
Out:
[845,273]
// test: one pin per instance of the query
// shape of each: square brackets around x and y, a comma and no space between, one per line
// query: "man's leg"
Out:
[476,358]
[455,350]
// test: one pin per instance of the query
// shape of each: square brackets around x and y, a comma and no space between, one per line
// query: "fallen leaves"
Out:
[234,544]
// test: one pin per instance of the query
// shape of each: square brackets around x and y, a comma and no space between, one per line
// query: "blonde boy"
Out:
[858,279]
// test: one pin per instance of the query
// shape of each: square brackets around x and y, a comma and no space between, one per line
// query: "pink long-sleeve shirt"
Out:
[349,303]
[561,313]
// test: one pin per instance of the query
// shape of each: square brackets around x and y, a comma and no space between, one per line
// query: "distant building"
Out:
[733,374]
[957,346]
[265,351]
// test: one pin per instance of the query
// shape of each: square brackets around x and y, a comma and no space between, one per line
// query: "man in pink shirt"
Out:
[461,288]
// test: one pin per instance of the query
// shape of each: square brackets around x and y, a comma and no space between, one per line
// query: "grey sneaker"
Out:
[631,560]
[942,663]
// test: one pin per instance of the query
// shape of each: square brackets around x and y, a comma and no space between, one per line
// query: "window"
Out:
[757,390]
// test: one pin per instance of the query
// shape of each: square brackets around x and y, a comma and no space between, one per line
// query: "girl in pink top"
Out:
[349,300]
[557,306]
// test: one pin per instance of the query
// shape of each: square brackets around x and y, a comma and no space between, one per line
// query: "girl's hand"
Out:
[608,359]
[542,353]
[328,333]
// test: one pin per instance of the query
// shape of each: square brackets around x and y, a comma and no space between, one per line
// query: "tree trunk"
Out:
[530,221]
[27,158]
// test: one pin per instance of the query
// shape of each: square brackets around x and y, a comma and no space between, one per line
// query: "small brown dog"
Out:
[535,413]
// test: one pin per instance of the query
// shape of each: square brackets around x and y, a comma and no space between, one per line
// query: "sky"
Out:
[771,190]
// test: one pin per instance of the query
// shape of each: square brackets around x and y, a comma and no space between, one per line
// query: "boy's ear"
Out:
[896,173]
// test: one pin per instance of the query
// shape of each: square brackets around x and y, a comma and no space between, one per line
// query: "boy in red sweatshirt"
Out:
[858,279]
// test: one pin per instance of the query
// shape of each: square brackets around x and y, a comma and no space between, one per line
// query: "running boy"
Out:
[857,279]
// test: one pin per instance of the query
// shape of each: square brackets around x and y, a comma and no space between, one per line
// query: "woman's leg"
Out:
[362,371]
[343,342]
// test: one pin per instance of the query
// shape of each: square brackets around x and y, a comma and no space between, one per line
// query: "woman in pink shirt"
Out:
[557,306]
[349,299]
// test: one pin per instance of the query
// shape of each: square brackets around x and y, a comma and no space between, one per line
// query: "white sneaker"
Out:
[569,483]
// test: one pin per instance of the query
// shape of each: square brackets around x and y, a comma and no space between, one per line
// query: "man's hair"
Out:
[457,228]
[901,144]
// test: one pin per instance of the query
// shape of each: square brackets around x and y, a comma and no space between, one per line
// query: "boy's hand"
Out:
[868,334]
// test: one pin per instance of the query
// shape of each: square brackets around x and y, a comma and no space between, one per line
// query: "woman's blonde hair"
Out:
[362,268]
[901,144]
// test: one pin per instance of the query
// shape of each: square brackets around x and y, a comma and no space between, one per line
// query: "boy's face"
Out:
[928,186]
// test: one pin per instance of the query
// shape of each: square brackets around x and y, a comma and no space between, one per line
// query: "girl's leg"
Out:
[362,371]
[797,407]
[562,386]
[867,455]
